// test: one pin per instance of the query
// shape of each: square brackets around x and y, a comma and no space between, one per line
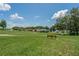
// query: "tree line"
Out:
[30,28]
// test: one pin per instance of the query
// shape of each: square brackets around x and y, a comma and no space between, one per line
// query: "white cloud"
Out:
[16,16]
[5,7]
[59,14]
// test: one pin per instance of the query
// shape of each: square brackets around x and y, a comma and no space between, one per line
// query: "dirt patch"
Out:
[6,35]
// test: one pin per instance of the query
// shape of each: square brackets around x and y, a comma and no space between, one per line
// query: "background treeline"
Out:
[37,28]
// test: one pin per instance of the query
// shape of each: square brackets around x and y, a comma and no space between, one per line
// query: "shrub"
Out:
[51,34]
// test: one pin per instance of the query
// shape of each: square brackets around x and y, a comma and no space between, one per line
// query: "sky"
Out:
[33,14]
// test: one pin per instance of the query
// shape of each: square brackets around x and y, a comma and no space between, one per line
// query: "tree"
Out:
[60,25]
[70,22]
[53,28]
[74,21]
[3,24]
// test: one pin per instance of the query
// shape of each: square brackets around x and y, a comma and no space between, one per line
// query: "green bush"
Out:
[51,34]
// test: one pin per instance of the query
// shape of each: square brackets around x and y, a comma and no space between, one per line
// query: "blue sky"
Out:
[18,14]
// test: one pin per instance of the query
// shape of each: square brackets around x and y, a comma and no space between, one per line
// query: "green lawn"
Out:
[37,44]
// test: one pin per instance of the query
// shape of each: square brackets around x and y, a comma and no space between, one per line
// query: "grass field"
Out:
[37,44]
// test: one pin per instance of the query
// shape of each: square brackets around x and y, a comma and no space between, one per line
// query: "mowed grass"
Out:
[37,44]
